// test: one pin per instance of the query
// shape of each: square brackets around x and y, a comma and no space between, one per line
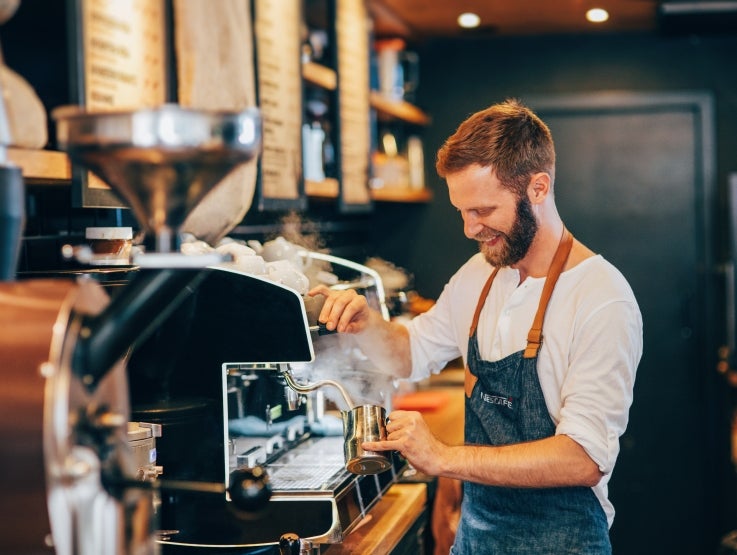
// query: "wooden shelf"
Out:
[330,189]
[320,75]
[399,194]
[322,189]
[42,166]
[49,167]
[398,109]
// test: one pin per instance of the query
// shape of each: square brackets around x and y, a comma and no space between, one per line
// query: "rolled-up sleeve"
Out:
[597,392]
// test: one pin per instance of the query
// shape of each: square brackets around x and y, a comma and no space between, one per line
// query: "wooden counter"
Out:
[386,523]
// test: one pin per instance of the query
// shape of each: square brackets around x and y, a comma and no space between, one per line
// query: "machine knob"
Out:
[290,544]
[250,489]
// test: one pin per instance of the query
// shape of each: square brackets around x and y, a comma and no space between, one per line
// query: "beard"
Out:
[513,246]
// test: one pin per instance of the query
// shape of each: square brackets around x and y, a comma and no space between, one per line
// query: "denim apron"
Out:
[505,404]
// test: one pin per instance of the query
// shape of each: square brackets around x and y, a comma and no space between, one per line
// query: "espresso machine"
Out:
[243,376]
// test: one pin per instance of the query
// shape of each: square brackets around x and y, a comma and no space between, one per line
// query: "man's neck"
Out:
[542,250]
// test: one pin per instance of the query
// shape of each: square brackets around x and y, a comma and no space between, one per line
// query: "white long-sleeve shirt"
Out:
[592,344]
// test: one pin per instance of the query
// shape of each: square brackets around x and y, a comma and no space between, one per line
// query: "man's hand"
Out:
[343,311]
[384,342]
[408,434]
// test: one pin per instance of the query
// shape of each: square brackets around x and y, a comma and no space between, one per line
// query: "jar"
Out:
[110,245]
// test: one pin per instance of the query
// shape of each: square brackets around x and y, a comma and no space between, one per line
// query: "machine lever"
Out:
[321,329]
[292,544]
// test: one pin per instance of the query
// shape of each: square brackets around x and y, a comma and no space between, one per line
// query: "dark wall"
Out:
[461,76]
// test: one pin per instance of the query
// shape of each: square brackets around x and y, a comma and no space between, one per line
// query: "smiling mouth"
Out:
[491,239]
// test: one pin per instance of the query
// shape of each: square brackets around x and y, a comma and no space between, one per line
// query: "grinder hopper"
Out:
[162,161]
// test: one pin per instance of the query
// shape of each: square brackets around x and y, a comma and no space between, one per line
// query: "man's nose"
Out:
[471,225]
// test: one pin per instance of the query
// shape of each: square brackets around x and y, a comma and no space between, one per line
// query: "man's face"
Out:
[503,224]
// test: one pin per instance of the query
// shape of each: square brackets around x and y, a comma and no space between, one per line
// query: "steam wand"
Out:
[287,374]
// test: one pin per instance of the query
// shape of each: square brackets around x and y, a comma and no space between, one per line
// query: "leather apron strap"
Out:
[469,379]
[535,335]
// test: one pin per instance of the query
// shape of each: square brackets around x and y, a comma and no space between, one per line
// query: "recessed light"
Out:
[469,20]
[597,15]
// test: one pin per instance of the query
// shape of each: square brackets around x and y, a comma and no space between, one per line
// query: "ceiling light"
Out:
[597,15]
[468,20]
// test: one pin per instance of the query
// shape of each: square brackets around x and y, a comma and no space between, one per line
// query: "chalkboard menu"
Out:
[279,78]
[352,36]
[121,64]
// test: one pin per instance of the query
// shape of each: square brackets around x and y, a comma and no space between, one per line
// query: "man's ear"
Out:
[539,187]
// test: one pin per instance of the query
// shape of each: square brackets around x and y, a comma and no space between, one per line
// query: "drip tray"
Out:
[316,465]
[314,496]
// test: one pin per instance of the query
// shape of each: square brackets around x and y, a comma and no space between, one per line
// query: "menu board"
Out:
[122,65]
[279,70]
[352,30]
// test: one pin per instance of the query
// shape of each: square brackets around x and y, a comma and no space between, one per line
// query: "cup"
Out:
[365,423]
[110,245]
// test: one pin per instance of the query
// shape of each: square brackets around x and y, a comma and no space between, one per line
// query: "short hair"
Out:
[507,137]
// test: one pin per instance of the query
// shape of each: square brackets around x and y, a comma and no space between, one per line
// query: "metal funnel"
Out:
[161,161]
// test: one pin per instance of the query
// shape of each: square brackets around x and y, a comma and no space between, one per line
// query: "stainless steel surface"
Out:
[163,160]
[365,423]
[314,465]
[142,441]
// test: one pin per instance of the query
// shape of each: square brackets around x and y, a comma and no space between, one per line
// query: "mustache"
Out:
[487,235]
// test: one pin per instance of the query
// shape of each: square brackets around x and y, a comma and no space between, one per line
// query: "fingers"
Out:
[401,419]
[339,310]
[381,445]
[401,432]
[343,311]
[323,290]
[408,435]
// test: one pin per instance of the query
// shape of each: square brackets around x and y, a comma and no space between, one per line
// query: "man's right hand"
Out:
[344,311]
[386,343]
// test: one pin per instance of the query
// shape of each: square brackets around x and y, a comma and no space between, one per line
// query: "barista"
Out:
[551,336]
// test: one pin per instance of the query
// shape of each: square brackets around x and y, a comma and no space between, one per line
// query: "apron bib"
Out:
[505,404]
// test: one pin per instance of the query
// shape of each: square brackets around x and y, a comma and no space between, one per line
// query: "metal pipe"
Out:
[313,386]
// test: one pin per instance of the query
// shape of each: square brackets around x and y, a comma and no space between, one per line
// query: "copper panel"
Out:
[28,312]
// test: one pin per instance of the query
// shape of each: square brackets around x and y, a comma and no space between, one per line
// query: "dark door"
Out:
[635,183]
